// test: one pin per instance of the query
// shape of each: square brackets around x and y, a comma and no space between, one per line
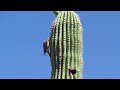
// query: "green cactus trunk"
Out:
[66,46]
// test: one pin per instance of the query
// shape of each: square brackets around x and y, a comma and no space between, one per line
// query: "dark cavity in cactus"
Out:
[66,46]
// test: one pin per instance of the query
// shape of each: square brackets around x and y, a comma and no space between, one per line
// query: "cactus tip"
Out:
[56,12]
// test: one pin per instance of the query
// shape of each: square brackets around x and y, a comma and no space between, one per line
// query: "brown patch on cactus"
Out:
[72,71]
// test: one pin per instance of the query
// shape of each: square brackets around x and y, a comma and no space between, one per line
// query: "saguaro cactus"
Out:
[66,46]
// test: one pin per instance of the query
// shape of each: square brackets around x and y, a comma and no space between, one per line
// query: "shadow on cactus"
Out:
[64,46]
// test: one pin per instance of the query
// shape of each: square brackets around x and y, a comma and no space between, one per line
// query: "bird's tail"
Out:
[49,53]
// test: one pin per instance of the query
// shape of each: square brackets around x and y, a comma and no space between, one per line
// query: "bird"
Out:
[46,45]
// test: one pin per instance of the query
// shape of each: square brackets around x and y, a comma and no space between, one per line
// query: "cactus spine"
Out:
[66,46]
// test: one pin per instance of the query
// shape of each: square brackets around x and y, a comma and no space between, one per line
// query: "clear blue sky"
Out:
[22,34]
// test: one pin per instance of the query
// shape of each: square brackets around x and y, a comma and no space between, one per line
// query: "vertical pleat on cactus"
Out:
[66,46]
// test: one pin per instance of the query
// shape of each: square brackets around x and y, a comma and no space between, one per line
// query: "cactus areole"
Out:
[66,46]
